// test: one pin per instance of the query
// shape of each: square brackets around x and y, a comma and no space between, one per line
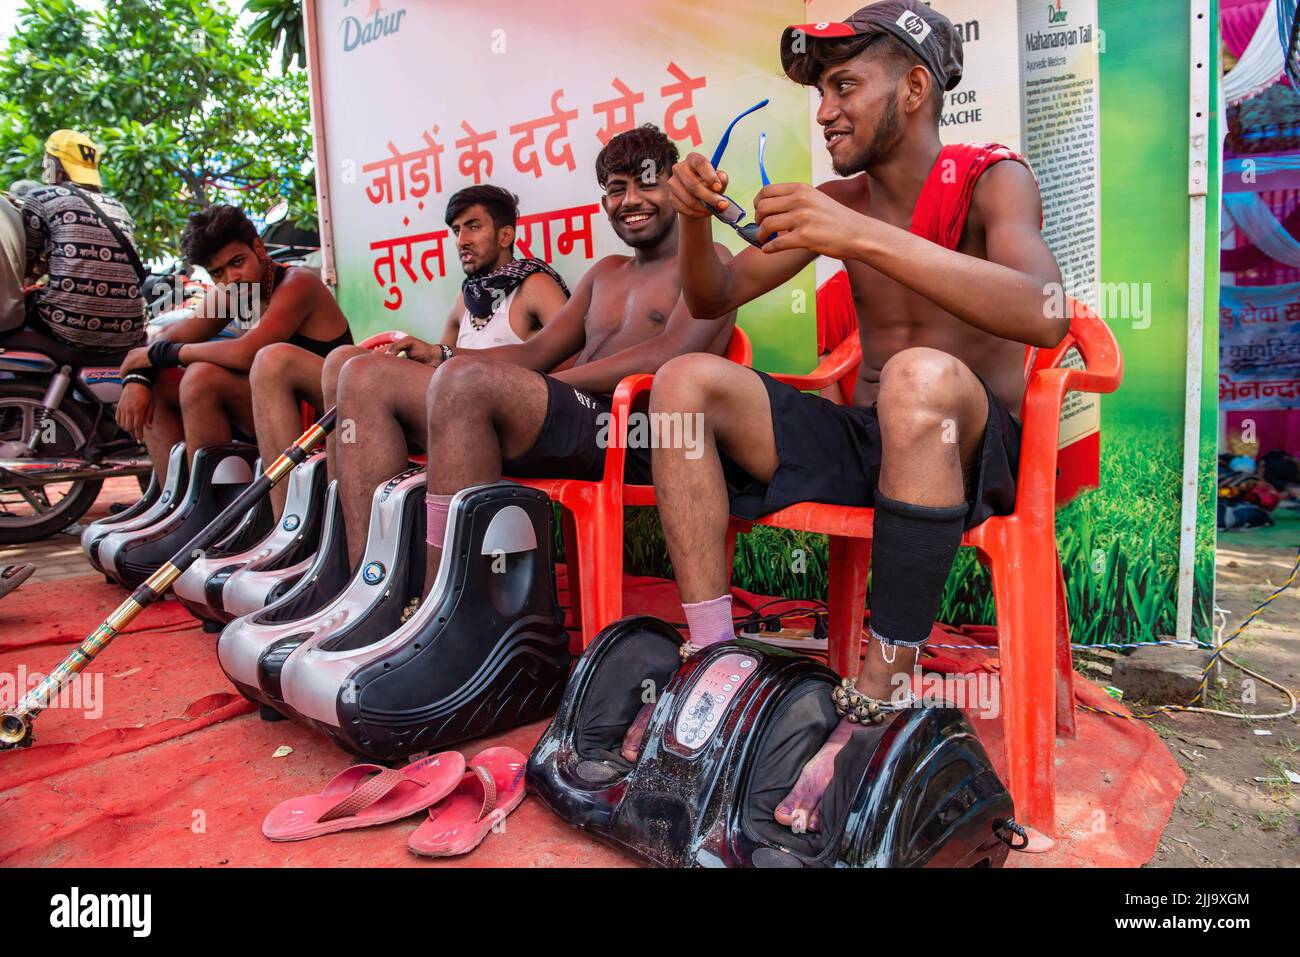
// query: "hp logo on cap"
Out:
[914,25]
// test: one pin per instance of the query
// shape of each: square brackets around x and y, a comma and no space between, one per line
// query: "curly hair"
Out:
[211,229]
[636,152]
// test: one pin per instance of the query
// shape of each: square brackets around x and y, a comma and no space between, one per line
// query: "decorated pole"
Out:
[16,725]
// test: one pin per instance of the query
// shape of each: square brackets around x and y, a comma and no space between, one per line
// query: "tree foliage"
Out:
[185,103]
[280,22]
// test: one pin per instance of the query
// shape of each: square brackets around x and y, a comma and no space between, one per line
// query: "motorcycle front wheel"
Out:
[29,515]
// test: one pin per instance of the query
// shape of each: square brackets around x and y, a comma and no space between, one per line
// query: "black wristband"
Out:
[165,355]
[139,378]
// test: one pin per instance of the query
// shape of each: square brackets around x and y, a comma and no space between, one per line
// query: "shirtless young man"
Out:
[212,398]
[493,412]
[503,301]
[944,313]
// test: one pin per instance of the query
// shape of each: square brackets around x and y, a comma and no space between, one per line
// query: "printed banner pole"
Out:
[1197,187]
[319,143]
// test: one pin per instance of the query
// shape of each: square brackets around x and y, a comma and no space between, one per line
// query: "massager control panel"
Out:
[709,698]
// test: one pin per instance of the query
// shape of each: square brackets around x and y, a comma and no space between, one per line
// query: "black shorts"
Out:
[831,454]
[573,439]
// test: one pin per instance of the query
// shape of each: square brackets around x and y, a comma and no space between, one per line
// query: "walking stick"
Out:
[16,725]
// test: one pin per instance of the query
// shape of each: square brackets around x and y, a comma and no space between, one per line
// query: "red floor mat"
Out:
[167,766]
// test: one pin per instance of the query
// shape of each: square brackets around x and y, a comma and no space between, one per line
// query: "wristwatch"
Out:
[446,351]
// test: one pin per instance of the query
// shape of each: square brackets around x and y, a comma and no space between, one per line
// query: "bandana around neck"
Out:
[484,293]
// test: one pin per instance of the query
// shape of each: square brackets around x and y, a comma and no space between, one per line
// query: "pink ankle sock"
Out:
[436,508]
[709,621]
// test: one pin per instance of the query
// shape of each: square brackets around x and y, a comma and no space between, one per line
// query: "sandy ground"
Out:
[1225,817]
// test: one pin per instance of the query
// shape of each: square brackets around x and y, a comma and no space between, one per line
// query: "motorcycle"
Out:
[59,437]
[59,440]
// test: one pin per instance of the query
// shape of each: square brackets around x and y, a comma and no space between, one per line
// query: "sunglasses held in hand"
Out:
[734,214]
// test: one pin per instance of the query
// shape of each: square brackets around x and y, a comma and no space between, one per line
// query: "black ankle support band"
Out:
[911,556]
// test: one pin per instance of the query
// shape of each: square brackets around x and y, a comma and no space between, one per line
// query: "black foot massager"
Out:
[157,502]
[219,473]
[486,650]
[224,584]
[731,730]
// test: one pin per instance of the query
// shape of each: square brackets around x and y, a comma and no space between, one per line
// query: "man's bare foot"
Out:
[801,809]
[635,732]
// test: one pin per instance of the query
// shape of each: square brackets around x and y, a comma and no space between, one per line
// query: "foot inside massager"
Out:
[167,498]
[217,476]
[322,580]
[731,730]
[330,601]
[486,650]
[282,556]
[96,530]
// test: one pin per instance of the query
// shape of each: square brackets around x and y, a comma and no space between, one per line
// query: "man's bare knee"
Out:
[683,384]
[200,384]
[274,364]
[335,362]
[363,375]
[465,379]
[928,397]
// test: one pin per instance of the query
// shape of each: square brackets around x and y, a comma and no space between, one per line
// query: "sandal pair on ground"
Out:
[464,800]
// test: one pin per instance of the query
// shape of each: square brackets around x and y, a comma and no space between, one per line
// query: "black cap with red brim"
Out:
[928,33]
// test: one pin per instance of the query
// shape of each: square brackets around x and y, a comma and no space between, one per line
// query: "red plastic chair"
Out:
[593,512]
[1019,549]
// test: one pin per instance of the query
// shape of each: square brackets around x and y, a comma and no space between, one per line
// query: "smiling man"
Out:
[493,412]
[950,276]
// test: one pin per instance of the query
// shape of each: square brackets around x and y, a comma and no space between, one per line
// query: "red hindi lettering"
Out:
[626,101]
[564,242]
[390,262]
[474,161]
[383,185]
[427,156]
[555,155]
[684,89]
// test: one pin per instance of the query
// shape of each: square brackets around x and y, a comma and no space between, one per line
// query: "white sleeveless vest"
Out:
[497,332]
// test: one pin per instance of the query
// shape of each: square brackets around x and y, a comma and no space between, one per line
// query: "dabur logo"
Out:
[358,31]
[76,909]
[1055,14]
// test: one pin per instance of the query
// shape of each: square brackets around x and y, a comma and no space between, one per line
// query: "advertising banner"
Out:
[420,98]
[1259,347]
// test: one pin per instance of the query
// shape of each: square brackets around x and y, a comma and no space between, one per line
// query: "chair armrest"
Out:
[1039,440]
[1100,351]
[841,364]
[616,452]
[381,339]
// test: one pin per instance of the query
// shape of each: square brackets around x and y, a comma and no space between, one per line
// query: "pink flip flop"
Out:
[11,576]
[366,794]
[492,787]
